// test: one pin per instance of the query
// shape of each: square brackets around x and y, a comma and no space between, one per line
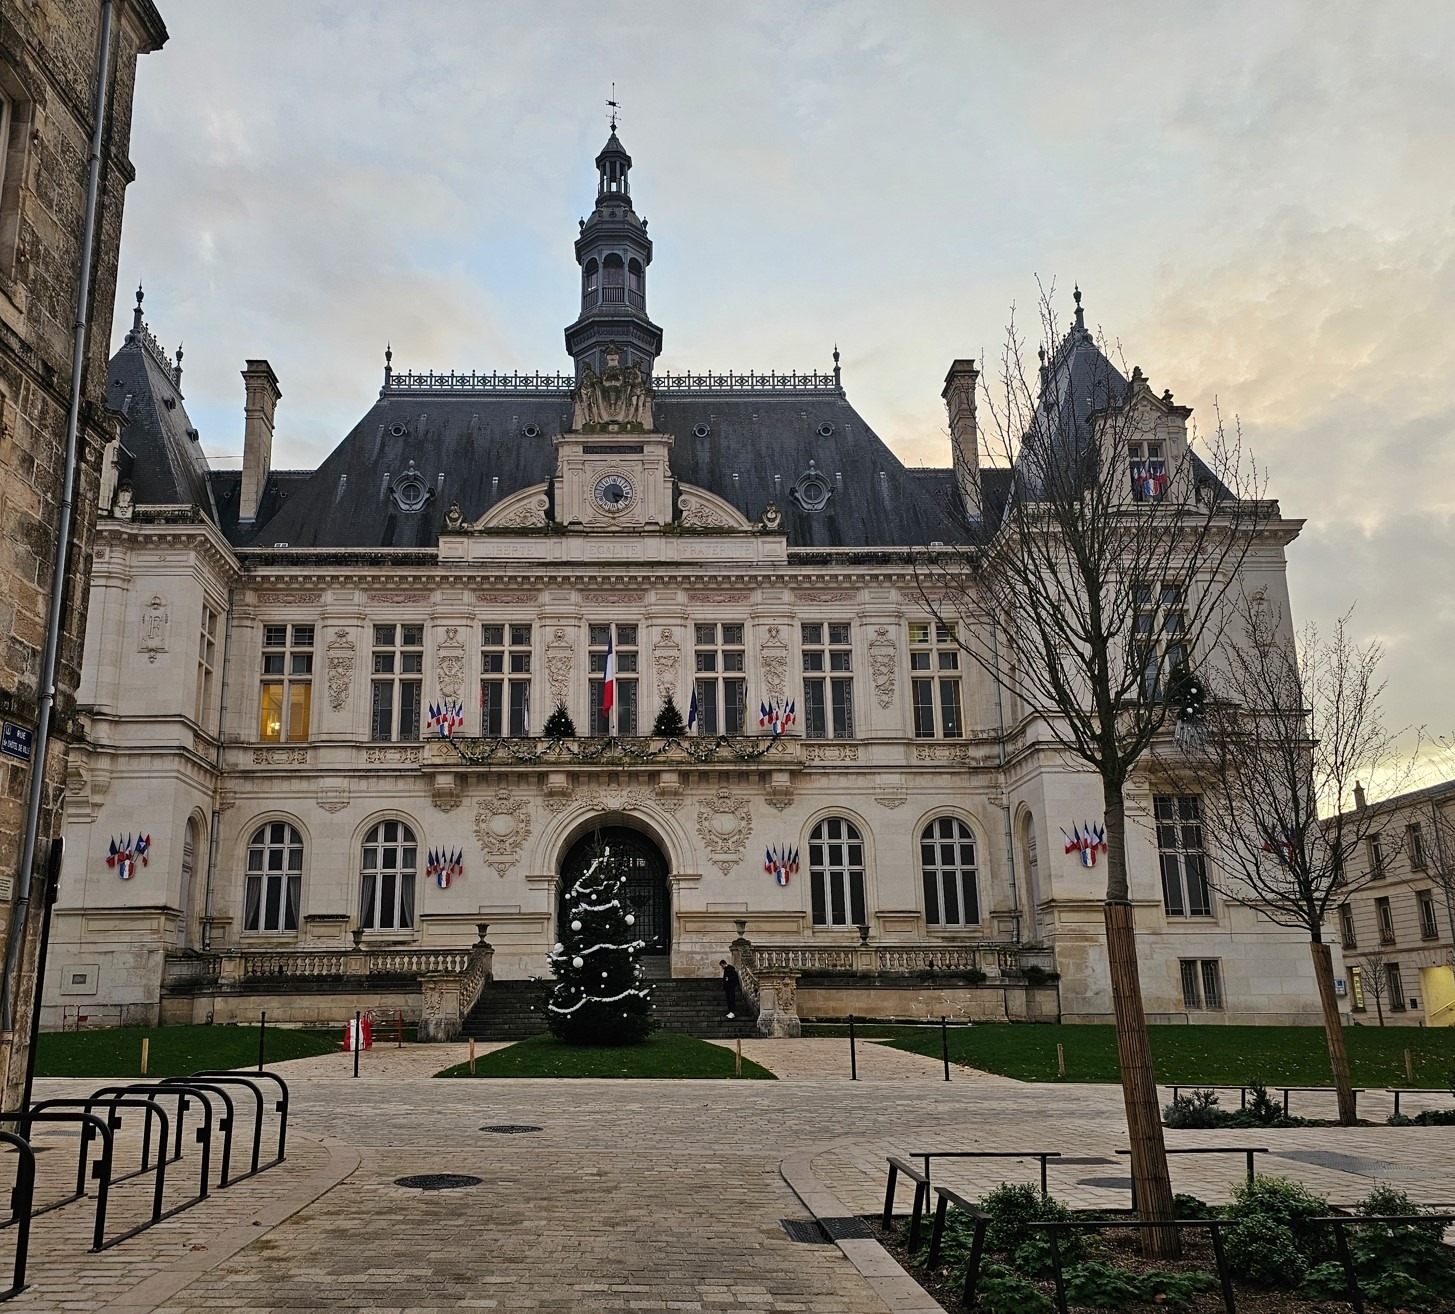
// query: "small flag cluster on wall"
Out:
[1087,841]
[444,866]
[1281,846]
[1149,479]
[123,855]
[445,718]
[780,863]
[777,714]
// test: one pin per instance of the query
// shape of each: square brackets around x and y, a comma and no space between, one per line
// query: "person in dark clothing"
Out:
[729,983]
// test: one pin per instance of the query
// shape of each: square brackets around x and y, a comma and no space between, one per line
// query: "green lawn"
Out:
[1215,1055]
[662,1055]
[174,1051]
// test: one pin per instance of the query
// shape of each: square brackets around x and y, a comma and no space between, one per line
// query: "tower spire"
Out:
[614,251]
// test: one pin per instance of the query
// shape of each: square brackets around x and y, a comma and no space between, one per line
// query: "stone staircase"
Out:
[513,1010]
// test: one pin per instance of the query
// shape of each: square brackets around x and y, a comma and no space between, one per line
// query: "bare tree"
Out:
[1375,982]
[1101,568]
[1290,727]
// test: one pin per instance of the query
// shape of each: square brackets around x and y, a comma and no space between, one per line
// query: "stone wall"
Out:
[822,999]
[49,56]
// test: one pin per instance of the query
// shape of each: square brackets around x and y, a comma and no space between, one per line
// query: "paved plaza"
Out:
[633,1195]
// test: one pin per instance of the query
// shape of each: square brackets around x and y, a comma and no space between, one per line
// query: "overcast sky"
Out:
[1257,199]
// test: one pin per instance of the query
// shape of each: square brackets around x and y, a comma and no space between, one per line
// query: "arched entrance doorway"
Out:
[646,882]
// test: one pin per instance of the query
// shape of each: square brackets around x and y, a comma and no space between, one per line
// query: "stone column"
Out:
[778,1004]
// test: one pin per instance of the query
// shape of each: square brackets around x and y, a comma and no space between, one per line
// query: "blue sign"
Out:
[17,741]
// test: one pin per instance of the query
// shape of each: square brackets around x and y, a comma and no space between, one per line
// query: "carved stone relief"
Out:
[450,663]
[612,599]
[616,800]
[502,826]
[667,657]
[154,626]
[560,658]
[289,599]
[530,514]
[734,597]
[725,825]
[340,669]
[698,513]
[506,599]
[400,599]
[773,654]
[392,756]
[883,665]
[831,752]
[279,756]
[827,595]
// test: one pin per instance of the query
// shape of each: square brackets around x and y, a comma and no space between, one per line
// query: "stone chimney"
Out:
[1359,796]
[959,395]
[262,399]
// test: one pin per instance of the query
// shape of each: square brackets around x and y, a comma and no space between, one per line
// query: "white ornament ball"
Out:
[576,925]
[578,961]
[732,1015]
[558,948]
[631,919]
[603,976]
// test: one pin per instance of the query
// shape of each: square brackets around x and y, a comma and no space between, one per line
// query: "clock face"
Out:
[614,493]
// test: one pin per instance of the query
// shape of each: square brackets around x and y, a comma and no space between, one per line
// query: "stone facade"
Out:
[266,657]
[1396,925]
[49,65]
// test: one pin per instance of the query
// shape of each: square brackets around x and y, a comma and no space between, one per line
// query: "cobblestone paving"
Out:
[633,1195]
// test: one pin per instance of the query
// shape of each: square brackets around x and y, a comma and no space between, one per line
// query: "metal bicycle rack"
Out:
[22,1198]
[280,1108]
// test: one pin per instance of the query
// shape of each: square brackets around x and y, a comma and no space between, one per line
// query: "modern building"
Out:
[54,69]
[271,652]
[1397,926]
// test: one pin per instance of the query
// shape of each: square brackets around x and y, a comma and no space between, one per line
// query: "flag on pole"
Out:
[789,715]
[692,711]
[608,682]
[763,714]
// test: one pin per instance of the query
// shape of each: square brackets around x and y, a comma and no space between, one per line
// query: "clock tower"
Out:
[612,467]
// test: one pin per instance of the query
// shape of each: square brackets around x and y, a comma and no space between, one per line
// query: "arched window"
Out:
[1033,879]
[634,282]
[836,873]
[274,887]
[184,893]
[613,278]
[947,862]
[590,278]
[386,887]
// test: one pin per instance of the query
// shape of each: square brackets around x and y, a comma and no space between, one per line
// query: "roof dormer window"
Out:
[410,492]
[1148,464]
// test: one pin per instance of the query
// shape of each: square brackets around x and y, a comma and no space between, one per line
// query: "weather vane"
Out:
[615,105]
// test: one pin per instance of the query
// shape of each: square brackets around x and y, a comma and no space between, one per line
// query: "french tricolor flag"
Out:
[608,682]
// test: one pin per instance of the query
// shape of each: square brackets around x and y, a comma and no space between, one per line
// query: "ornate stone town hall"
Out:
[263,814]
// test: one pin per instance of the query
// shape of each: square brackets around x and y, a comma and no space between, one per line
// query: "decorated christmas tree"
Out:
[600,998]
[669,723]
[559,724]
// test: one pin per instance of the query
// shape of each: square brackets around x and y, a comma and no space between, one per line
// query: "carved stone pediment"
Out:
[699,509]
[523,510]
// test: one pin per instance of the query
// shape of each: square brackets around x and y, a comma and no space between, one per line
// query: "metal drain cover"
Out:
[509,1128]
[804,1230]
[846,1229]
[438,1181]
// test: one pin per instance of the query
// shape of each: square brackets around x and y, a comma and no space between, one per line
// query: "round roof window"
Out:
[700,431]
[825,430]
[398,429]
[812,491]
[410,493]
[532,431]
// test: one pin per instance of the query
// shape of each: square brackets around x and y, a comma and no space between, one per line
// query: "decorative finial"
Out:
[836,353]
[614,105]
[388,362]
[838,376]
[1080,314]
[177,369]
[136,324]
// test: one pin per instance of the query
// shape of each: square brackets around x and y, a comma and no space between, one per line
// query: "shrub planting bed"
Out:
[1279,1249]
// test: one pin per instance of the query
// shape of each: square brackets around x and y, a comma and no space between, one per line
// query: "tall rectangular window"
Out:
[1376,857]
[1396,987]
[1185,891]
[1346,926]
[934,671]
[1429,928]
[286,693]
[722,687]
[1147,464]
[623,719]
[828,685]
[505,673]
[1415,845]
[398,682]
[206,662]
[1385,918]
[1202,983]
[1161,635]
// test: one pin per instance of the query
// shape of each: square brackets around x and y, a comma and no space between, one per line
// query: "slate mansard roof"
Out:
[748,447]
[161,454]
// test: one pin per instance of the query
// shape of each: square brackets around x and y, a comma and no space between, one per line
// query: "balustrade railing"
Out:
[557,384]
[296,964]
[893,960]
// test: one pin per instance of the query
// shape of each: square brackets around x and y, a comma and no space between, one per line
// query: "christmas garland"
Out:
[532,750]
